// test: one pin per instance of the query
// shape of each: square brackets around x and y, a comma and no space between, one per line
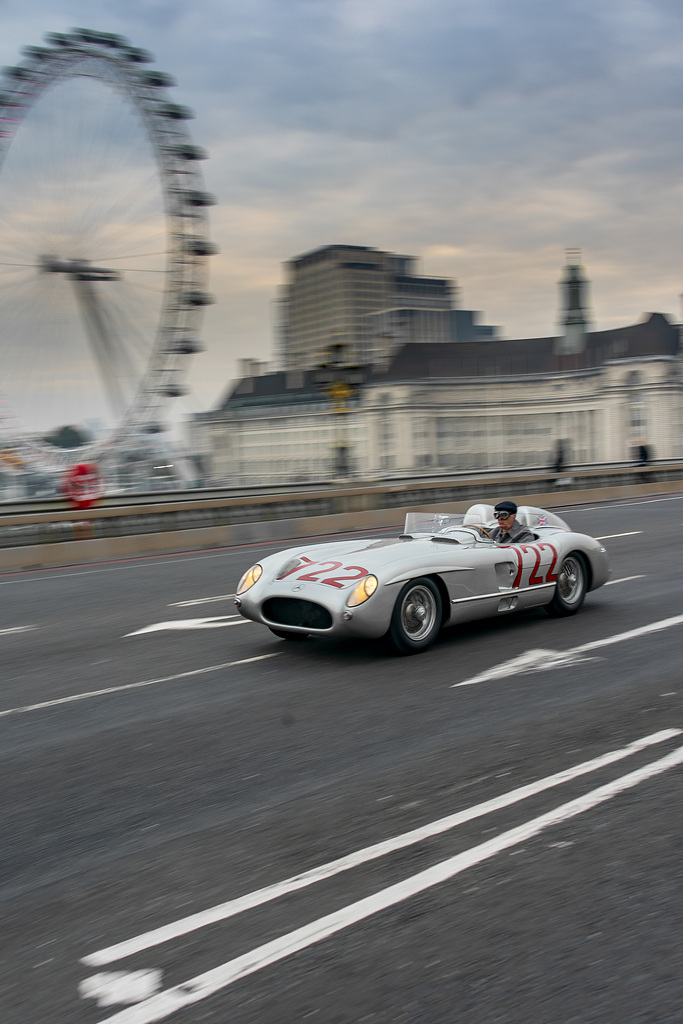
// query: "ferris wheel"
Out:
[103,248]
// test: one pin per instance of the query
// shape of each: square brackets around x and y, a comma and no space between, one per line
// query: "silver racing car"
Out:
[443,569]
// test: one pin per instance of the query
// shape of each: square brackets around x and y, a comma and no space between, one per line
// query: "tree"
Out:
[68,437]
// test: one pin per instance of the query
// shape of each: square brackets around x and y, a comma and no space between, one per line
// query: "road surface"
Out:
[202,823]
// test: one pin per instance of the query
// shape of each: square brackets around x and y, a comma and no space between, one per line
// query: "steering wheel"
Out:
[476,526]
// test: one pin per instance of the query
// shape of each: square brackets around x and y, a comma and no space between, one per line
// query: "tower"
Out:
[573,321]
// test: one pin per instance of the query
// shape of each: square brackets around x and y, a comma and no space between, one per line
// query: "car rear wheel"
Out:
[416,618]
[283,634]
[572,584]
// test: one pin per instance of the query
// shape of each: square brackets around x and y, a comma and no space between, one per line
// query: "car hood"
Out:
[384,550]
[386,557]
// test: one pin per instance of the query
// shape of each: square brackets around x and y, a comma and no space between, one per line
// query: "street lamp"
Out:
[340,381]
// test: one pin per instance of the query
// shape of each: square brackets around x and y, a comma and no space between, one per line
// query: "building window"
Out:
[637,418]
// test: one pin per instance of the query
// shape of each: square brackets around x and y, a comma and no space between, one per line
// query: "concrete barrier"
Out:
[77,552]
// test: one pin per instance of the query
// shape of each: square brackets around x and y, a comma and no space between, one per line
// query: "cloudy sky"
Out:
[483,136]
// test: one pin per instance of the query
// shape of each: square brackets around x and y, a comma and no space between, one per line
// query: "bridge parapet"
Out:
[64,536]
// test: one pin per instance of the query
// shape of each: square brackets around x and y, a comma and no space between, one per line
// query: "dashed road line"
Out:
[610,536]
[214,622]
[131,686]
[624,579]
[607,506]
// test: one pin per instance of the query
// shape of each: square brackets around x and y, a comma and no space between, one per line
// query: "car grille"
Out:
[292,611]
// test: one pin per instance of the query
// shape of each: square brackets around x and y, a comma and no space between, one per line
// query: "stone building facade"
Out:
[448,407]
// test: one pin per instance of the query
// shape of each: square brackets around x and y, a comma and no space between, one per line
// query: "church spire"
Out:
[573,320]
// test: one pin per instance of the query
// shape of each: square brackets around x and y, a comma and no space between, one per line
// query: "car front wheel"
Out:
[572,584]
[416,618]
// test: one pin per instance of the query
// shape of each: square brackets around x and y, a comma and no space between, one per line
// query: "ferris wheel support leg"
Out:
[101,341]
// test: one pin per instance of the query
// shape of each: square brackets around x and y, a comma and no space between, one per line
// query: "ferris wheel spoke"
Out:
[137,256]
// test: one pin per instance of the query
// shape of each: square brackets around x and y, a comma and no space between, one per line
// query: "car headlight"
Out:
[364,589]
[249,579]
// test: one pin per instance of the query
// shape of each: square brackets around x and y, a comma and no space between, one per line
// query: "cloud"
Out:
[484,136]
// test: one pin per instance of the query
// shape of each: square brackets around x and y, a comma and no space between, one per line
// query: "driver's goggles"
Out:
[502,515]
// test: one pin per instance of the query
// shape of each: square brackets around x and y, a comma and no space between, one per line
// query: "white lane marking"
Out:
[121,987]
[609,536]
[132,686]
[206,984]
[651,627]
[201,600]
[624,579]
[536,660]
[540,660]
[48,575]
[622,504]
[213,622]
[271,892]
[16,629]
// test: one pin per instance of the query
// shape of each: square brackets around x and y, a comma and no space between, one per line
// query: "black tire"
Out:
[416,618]
[572,584]
[283,634]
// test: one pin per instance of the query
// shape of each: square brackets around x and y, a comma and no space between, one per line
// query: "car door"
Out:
[502,579]
[528,571]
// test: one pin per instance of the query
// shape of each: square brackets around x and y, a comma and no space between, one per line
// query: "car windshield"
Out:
[449,525]
[432,524]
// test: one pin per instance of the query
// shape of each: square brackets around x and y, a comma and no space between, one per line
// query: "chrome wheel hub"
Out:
[418,613]
[570,580]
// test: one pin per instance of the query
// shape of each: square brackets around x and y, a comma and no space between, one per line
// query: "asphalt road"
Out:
[204,823]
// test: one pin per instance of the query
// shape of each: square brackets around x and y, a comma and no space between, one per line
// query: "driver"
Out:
[509,531]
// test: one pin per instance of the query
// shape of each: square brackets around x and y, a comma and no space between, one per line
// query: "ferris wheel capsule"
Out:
[196,298]
[194,245]
[185,346]
[193,197]
[57,39]
[185,152]
[137,56]
[175,112]
[157,79]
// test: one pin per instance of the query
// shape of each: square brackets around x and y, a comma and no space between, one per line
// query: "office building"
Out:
[330,292]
